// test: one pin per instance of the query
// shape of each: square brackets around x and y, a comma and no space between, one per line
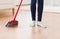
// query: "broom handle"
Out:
[17,10]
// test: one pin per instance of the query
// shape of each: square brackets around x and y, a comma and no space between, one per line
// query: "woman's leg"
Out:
[33,9]
[40,9]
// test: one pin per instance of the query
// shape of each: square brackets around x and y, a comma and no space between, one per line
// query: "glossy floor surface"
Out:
[24,29]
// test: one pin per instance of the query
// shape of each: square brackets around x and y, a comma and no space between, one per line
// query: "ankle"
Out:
[39,22]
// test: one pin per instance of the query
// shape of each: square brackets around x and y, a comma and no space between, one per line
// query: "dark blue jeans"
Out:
[33,9]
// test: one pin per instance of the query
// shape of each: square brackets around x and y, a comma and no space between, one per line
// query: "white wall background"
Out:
[46,2]
[52,2]
[51,5]
[24,1]
[6,1]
